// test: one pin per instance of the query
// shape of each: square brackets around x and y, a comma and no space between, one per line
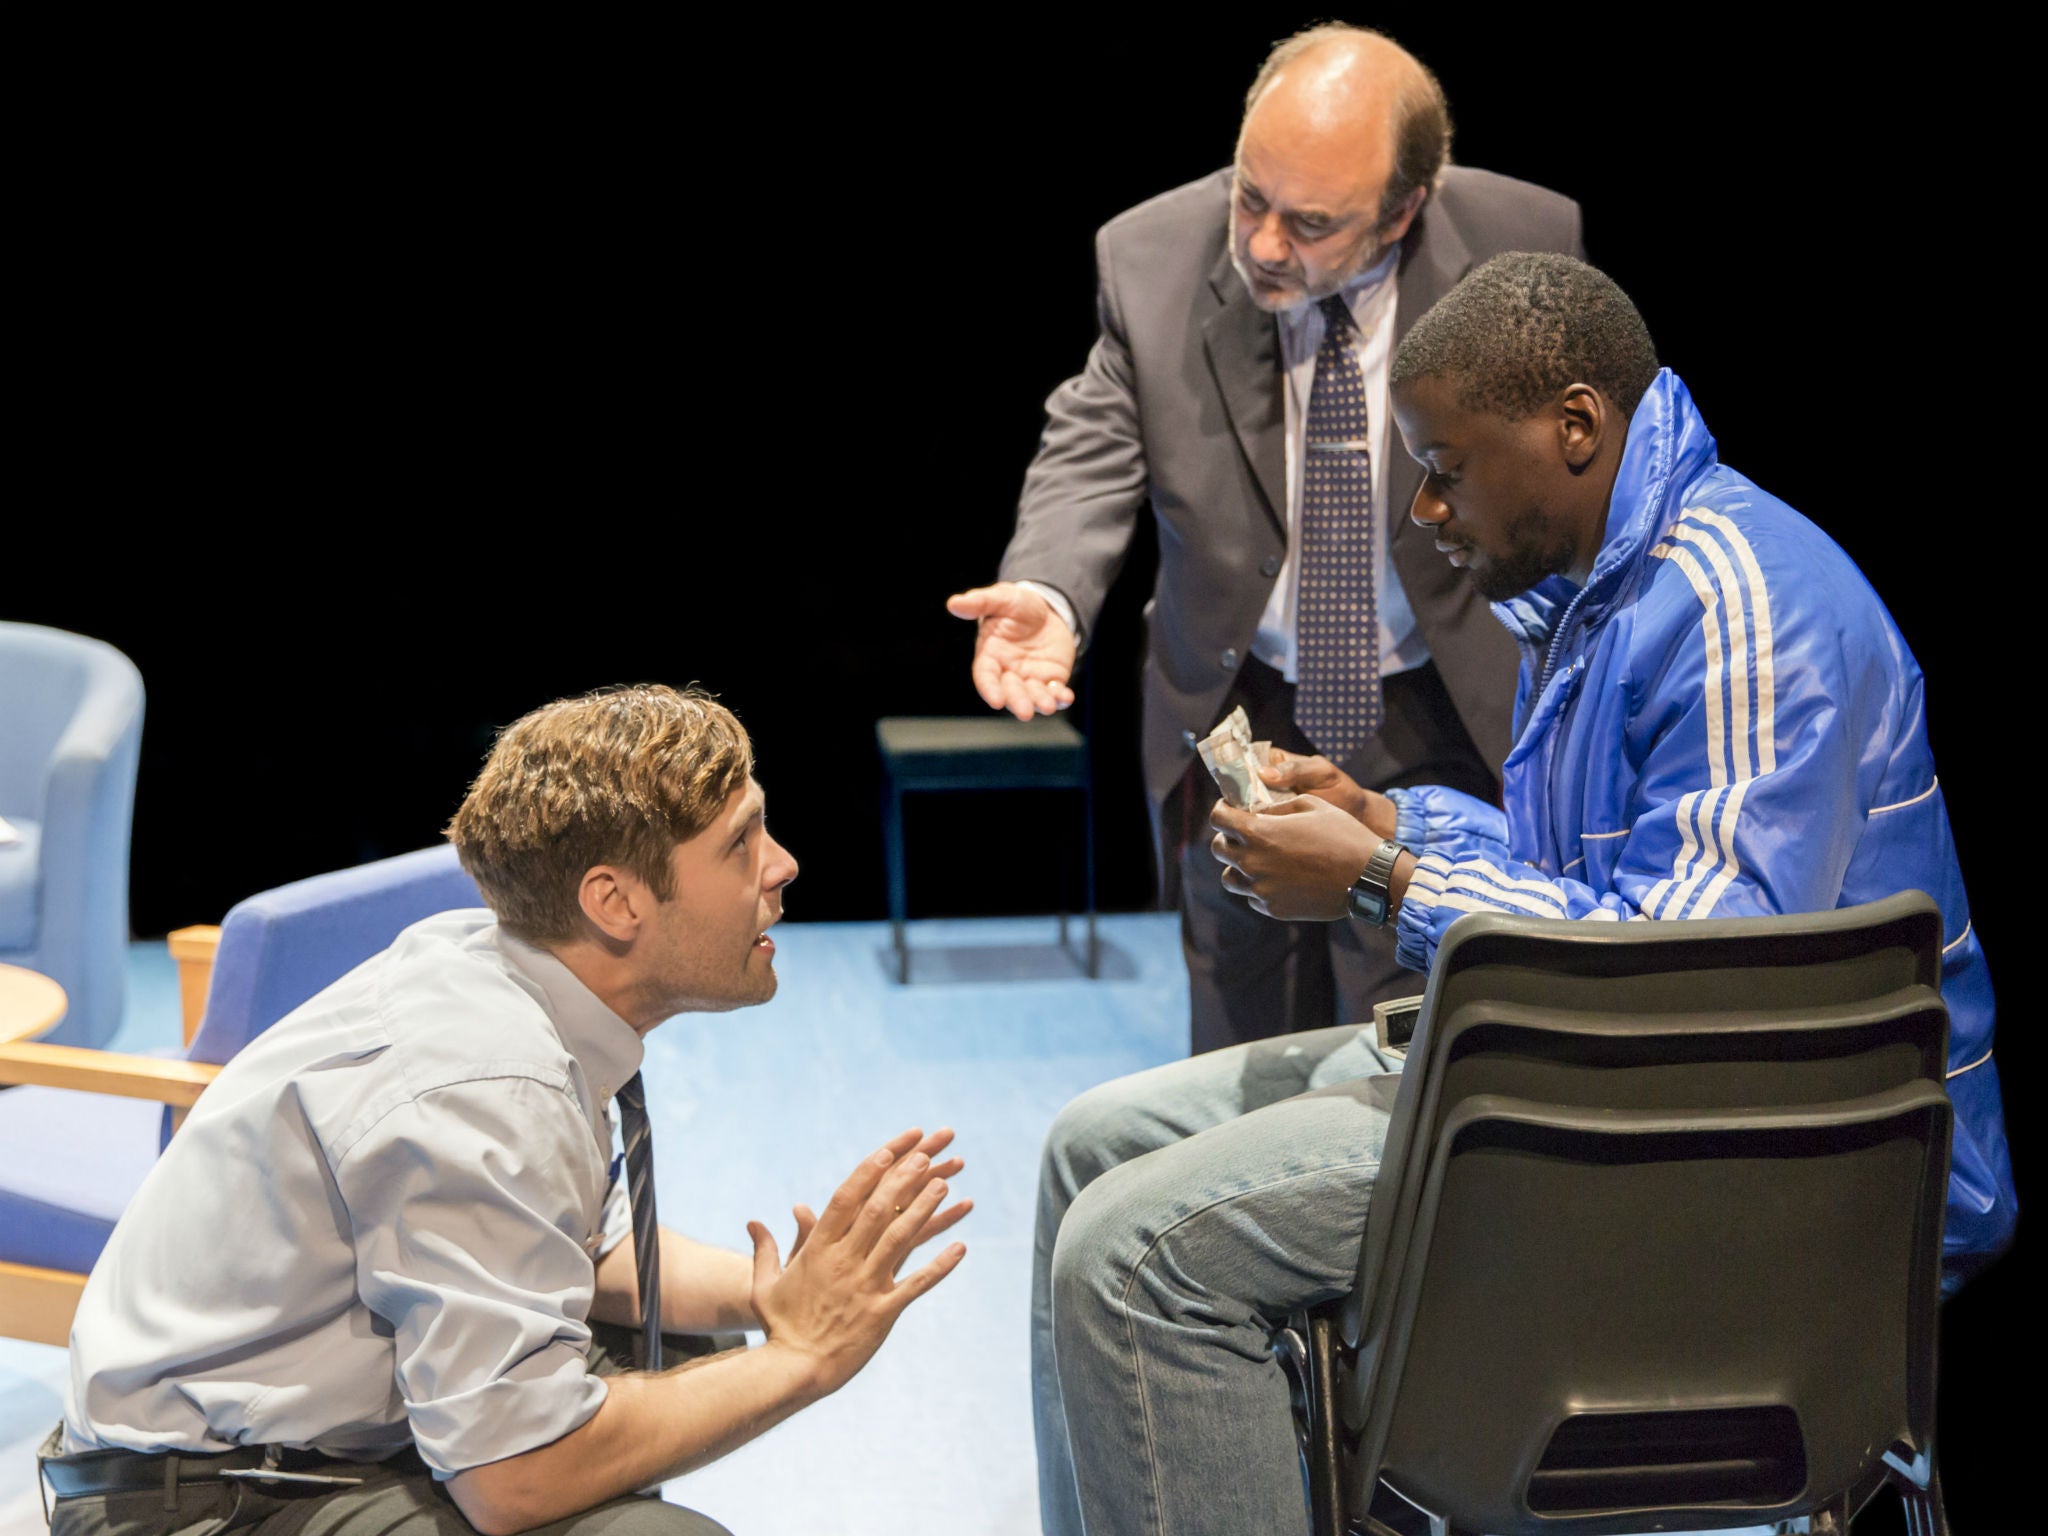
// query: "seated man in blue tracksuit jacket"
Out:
[1715,716]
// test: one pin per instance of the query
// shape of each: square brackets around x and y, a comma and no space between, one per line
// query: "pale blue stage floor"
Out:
[758,1109]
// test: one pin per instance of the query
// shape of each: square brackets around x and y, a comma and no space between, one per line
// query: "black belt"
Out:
[118,1471]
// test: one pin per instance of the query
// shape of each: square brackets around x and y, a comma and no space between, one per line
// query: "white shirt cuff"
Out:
[1060,605]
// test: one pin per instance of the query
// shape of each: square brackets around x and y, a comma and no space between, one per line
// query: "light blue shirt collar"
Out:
[607,1048]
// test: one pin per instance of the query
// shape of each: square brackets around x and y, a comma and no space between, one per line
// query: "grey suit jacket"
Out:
[1181,399]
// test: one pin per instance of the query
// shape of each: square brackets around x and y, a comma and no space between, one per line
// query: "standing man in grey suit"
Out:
[1240,382]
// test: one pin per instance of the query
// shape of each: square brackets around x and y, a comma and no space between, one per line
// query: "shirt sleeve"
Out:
[471,1204]
[1745,797]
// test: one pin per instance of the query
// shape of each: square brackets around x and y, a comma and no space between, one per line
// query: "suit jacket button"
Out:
[1270,566]
[1189,739]
[1229,660]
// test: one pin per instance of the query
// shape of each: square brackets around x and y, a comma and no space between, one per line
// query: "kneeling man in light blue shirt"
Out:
[359,1289]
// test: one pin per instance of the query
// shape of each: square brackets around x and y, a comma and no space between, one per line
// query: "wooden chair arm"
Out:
[193,949]
[177,1083]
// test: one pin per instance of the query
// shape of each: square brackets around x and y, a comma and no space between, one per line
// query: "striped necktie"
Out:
[1337,631]
[646,1235]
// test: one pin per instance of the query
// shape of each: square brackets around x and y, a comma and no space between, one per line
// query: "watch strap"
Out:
[1372,895]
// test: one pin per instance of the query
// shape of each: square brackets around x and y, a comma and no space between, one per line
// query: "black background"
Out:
[380,387]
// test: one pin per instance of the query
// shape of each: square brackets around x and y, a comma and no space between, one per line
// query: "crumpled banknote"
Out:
[1234,760]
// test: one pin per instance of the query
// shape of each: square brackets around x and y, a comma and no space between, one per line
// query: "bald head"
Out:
[1344,133]
[1352,90]
[1341,86]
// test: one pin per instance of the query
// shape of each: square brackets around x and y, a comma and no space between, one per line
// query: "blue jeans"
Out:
[1183,1213]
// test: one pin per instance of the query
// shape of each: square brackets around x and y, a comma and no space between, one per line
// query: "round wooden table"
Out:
[29,1003]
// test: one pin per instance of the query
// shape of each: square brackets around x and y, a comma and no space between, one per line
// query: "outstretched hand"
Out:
[1301,774]
[1296,861]
[931,1146]
[1023,652]
[838,1295]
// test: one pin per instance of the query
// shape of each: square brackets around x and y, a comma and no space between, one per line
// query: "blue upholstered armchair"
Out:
[76,1142]
[70,731]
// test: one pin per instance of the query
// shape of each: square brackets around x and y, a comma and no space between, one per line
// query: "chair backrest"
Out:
[280,947]
[1731,987]
[1732,1059]
[46,677]
[1625,1320]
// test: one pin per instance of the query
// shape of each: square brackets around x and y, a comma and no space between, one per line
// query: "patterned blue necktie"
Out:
[1336,624]
[646,1232]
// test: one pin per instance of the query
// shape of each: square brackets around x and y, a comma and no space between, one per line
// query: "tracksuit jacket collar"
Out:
[1669,448]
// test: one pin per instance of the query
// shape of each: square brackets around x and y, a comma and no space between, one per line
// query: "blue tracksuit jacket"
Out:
[1724,721]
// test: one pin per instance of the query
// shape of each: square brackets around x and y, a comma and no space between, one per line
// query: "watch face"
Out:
[1369,906]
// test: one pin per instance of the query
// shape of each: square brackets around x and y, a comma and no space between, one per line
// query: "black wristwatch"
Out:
[1372,896]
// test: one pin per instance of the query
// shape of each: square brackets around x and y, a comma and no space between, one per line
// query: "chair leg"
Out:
[1925,1513]
[1307,1348]
[1088,870]
[892,847]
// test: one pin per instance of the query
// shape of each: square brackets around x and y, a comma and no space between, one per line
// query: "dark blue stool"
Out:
[980,752]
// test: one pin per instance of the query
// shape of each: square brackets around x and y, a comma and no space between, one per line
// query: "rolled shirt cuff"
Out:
[535,1403]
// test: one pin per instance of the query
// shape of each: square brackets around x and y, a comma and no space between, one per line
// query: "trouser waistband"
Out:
[84,1473]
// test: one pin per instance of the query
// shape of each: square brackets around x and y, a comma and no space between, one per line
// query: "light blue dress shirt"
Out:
[379,1226]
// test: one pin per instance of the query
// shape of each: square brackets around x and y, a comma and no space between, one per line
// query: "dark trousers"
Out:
[1250,977]
[397,1495]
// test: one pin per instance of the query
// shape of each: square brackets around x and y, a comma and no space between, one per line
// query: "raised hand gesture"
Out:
[1023,652]
[838,1296]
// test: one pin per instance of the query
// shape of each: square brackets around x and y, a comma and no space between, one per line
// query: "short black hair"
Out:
[1521,327]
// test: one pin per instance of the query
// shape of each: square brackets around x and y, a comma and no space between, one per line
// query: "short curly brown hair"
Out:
[615,777]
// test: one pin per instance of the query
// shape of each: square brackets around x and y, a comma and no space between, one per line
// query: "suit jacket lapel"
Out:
[1433,258]
[1243,346]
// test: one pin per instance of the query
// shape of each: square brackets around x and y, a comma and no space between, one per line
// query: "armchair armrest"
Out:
[194,949]
[176,1083]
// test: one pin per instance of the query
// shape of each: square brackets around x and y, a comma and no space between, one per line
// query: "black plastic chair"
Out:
[1732,1013]
[1595,1333]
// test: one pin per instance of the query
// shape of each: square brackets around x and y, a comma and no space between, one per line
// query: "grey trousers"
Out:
[399,1495]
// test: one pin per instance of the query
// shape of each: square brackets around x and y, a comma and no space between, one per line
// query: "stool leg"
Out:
[892,843]
[1088,868]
